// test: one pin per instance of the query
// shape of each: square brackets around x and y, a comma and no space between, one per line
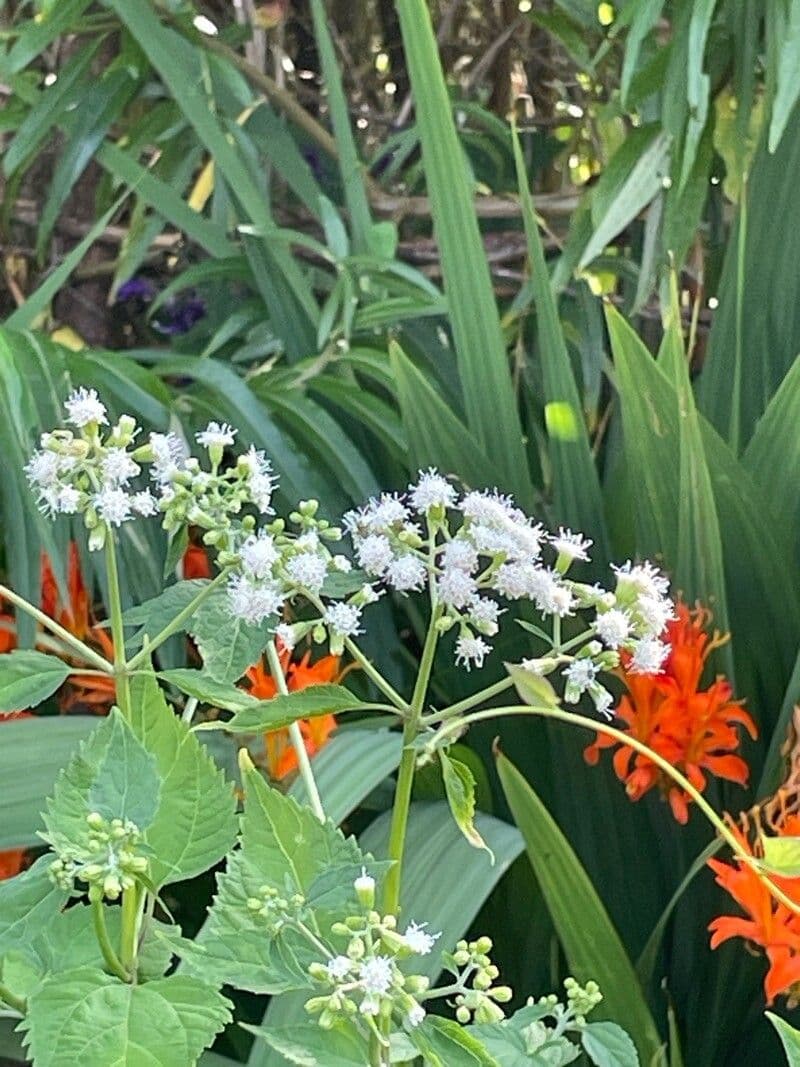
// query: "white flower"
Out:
[375,975]
[117,467]
[261,487]
[483,614]
[370,1004]
[515,580]
[217,435]
[613,627]
[471,650]
[169,456]
[84,406]
[253,601]
[432,490]
[648,656]
[456,588]
[113,505]
[254,462]
[42,469]
[653,614]
[369,594]
[258,553]
[459,555]
[374,554]
[580,674]
[344,619]
[571,545]
[603,701]
[415,1014]
[419,940]
[341,564]
[287,635]
[641,580]
[339,967]
[406,572]
[364,886]
[387,511]
[549,595]
[491,508]
[69,500]
[144,503]
[308,570]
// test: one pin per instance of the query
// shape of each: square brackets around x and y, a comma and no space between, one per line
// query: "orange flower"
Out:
[281,756]
[84,690]
[769,925]
[694,729]
[196,563]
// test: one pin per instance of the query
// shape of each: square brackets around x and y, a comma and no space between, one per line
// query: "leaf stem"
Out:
[117,628]
[176,624]
[75,644]
[638,746]
[405,775]
[375,676]
[296,737]
[468,703]
[19,1004]
[101,932]
[129,936]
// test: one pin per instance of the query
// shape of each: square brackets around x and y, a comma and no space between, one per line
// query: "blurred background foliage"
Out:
[313,220]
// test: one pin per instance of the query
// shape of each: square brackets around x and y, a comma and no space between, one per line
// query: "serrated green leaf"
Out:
[29,905]
[591,943]
[195,823]
[27,678]
[206,689]
[85,1016]
[153,615]
[228,645]
[285,846]
[607,1045]
[111,772]
[310,1046]
[509,1041]
[459,786]
[444,1043]
[285,709]
[790,1038]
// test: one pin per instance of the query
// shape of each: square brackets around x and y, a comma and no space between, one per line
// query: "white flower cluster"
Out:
[365,979]
[480,552]
[85,472]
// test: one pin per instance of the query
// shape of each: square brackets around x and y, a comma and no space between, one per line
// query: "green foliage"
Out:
[28,678]
[283,710]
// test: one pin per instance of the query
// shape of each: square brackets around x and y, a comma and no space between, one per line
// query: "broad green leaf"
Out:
[480,348]
[32,753]
[203,687]
[459,785]
[155,614]
[28,678]
[790,1038]
[782,855]
[111,772]
[310,1046]
[195,823]
[515,1042]
[228,645]
[29,904]
[576,488]
[788,84]
[607,1045]
[443,1043]
[85,1016]
[285,846]
[592,945]
[285,709]
[435,434]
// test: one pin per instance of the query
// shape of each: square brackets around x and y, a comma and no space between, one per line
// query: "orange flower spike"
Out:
[694,730]
[196,563]
[12,862]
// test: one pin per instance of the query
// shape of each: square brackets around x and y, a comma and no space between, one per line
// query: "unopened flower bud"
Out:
[502,994]
[95,820]
[364,886]
[463,1014]
[487,1012]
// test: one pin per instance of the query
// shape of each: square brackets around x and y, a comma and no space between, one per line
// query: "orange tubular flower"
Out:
[769,925]
[281,757]
[196,563]
[695,730]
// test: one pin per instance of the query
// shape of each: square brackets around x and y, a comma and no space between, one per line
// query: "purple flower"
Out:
[179,317]
[136,288]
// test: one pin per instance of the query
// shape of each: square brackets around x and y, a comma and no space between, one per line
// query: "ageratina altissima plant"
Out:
[299,906]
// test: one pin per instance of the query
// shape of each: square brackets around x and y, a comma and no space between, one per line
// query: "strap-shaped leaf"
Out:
[85,1016]
[28,678]
[284,846]
[592,945]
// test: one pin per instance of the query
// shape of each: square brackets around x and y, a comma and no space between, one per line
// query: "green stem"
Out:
[638,746]
[296,737]
[101,932]
[405,775]
[129,936]
[375,676]
[72,642]
[176,624]
[17,1003]
[468,702]
[117,628]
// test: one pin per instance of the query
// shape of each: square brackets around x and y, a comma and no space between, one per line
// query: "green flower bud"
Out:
[356,949]
[482,981]
[487,1012]
[463,1015]
[95,820]
[318,971]
[483,945]
[327,1019]
[502,994]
